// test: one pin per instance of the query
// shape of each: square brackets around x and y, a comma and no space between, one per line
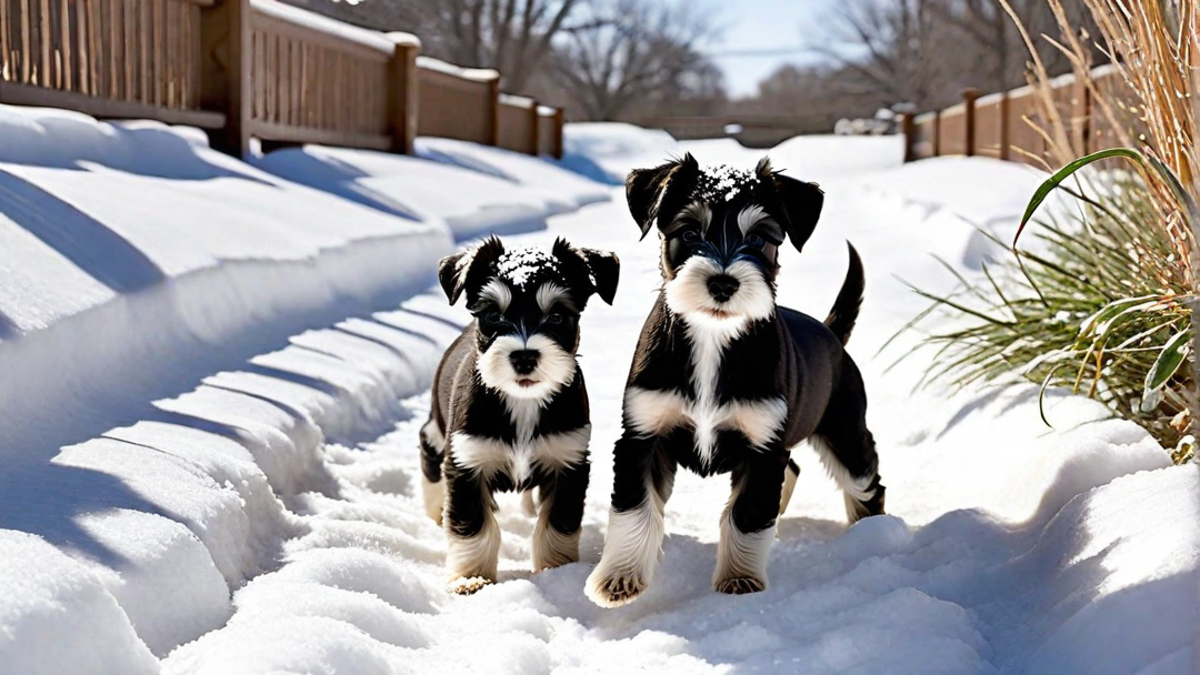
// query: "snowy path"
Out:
[988,563]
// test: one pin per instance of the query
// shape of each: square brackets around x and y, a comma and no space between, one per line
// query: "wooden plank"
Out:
[5,53]
[130,42]
[65,66]
[271,77]
[294,134]
[113,50]
[285,81]
[45,69]
[157,64]
[283,27]
[145,33]
[21,94]
[87,46]
[169,49]
[26,43]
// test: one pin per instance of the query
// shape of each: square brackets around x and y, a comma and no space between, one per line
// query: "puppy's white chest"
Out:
[519,458]
[655,412]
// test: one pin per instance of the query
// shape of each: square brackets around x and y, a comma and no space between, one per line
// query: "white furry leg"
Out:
[472,561]
[529,503]
[789,485]
[434,495]
[552,548]
[632,547]
[741,558]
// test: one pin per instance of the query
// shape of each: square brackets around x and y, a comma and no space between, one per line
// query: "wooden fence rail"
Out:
[995,125]
[245,69]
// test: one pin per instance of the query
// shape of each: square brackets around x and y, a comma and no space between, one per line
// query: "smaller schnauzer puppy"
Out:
[725,381]
[509,410]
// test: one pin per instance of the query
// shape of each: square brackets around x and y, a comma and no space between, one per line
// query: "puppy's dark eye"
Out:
[555,318]
[755,241]
[690,236]
[493,317]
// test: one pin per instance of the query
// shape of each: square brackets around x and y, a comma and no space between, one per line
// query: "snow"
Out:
[514,167]
[471,203]
[477,74]
[212,498]
[340,29]
[47,596]
[518,101]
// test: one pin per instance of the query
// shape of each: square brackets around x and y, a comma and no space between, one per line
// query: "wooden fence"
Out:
[244,69]
[995,125]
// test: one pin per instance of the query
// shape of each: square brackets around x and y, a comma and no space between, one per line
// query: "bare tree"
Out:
[635,56]
[895,47]
[1001,55]
[512,36]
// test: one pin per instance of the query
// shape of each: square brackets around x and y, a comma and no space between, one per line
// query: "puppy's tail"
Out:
[845,309]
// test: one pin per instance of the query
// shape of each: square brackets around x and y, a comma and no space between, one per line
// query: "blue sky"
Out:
[763,25]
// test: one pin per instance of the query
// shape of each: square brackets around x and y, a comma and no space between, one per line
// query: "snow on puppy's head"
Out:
[526,303]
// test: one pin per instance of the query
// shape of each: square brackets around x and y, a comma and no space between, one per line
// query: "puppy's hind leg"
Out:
[847,448]
[790,476]
[857,475]
[433,488]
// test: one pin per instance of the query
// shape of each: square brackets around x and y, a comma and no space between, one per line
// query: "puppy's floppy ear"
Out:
[662,189]
[601,269]
[606,271]
[457,269]
[801,201]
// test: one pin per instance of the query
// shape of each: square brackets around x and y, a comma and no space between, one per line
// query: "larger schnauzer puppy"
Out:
[724,381]
[510,410]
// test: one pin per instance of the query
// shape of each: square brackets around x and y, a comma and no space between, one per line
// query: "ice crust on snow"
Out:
[268,518]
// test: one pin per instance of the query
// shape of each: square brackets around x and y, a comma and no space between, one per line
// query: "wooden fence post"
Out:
[535,122]
[969,96]
[1005,117]
[404,93]
[225,72]
[937,133]
[494,112]
[558,133]
[908,127]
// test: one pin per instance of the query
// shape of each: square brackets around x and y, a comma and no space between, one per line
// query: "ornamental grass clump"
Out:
[1104,303]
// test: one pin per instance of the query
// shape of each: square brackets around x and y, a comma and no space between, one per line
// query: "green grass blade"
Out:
[1064,173]
[1167,363]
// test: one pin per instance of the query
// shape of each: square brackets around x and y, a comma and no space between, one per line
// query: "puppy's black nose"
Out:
[524,361]
[722,287]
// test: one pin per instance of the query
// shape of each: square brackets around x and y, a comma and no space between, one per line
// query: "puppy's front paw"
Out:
[740,585]
[614,590]
[467,585]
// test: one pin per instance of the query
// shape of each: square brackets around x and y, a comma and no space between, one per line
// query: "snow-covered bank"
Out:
[293,481]
[134,262]
[471,201]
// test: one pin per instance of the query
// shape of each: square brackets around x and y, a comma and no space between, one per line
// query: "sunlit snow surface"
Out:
[293,479]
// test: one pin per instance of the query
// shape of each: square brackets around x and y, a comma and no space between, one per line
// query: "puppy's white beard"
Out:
[555,368]
[688,295]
